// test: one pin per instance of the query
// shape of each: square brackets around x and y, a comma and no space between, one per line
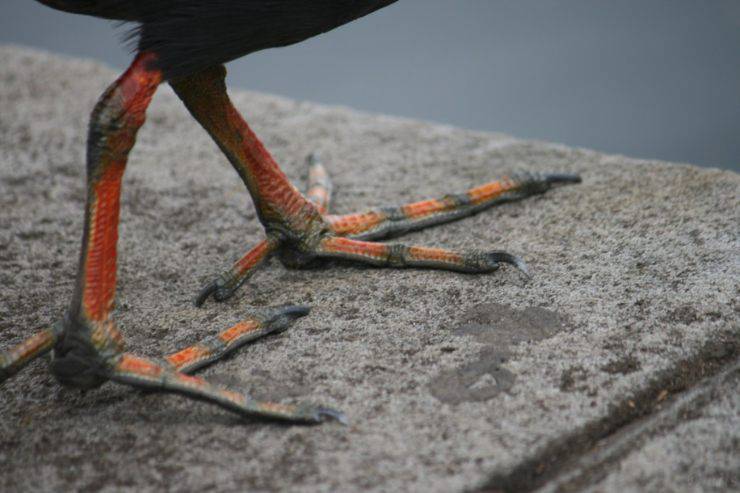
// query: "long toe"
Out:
[225,285]
[563,178]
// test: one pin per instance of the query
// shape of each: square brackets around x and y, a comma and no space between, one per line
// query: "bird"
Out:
[186,43]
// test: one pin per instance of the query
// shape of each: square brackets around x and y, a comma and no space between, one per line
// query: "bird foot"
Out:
[345,236]
[88,353]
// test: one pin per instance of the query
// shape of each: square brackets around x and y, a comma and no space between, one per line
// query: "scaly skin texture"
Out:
[88,348]
[114,124]
[282,209]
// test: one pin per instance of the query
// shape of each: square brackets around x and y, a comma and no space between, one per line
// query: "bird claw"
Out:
[328,414]
[498,257]
[318,415]
[563,178]
[280,318]
[217,288]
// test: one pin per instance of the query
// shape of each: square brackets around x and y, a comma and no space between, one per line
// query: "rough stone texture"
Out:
[690,442]
[695,449]
[634,298]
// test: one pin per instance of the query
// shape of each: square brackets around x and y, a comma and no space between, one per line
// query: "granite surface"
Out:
[451,382]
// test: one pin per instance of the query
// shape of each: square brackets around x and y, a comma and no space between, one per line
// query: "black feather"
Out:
[190,35]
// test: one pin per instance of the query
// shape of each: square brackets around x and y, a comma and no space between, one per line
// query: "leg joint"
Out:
[397,255]
[120,112]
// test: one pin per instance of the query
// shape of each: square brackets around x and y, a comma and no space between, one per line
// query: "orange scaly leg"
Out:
[282,209]
[90,341]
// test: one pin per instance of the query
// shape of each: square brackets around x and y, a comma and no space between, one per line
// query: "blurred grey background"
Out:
[646,78]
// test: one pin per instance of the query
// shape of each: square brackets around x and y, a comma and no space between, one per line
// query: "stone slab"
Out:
[634,297]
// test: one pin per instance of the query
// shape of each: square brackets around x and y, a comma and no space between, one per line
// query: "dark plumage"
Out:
[190,35]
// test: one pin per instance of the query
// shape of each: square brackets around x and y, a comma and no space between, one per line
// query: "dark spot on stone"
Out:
[296,460]
[30,235]
[499,327]
[695,235]
[68,170]
[684,314]
[352,313]
[166,276]
[625,365]
[719,350]
[474,382]
[502,326]
[571,377]
[376,369]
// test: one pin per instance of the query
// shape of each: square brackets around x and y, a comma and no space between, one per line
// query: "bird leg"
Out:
[286,214]
[223,287]
[299,228]
[88,349]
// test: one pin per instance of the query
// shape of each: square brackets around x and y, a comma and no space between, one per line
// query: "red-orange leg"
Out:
[398,255]
[113,128]
[88,348]
[395,221]
[298,224]
[282,209]
[89,338]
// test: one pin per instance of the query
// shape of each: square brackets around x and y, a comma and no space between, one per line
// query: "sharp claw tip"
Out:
[296,310]
[323,414]
[522,266]
[211,288]
[280,318]
[507,258]
[563,178]
[205,293]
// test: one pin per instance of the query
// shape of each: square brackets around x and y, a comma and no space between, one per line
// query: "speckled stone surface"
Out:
[694,449]
[634,294]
